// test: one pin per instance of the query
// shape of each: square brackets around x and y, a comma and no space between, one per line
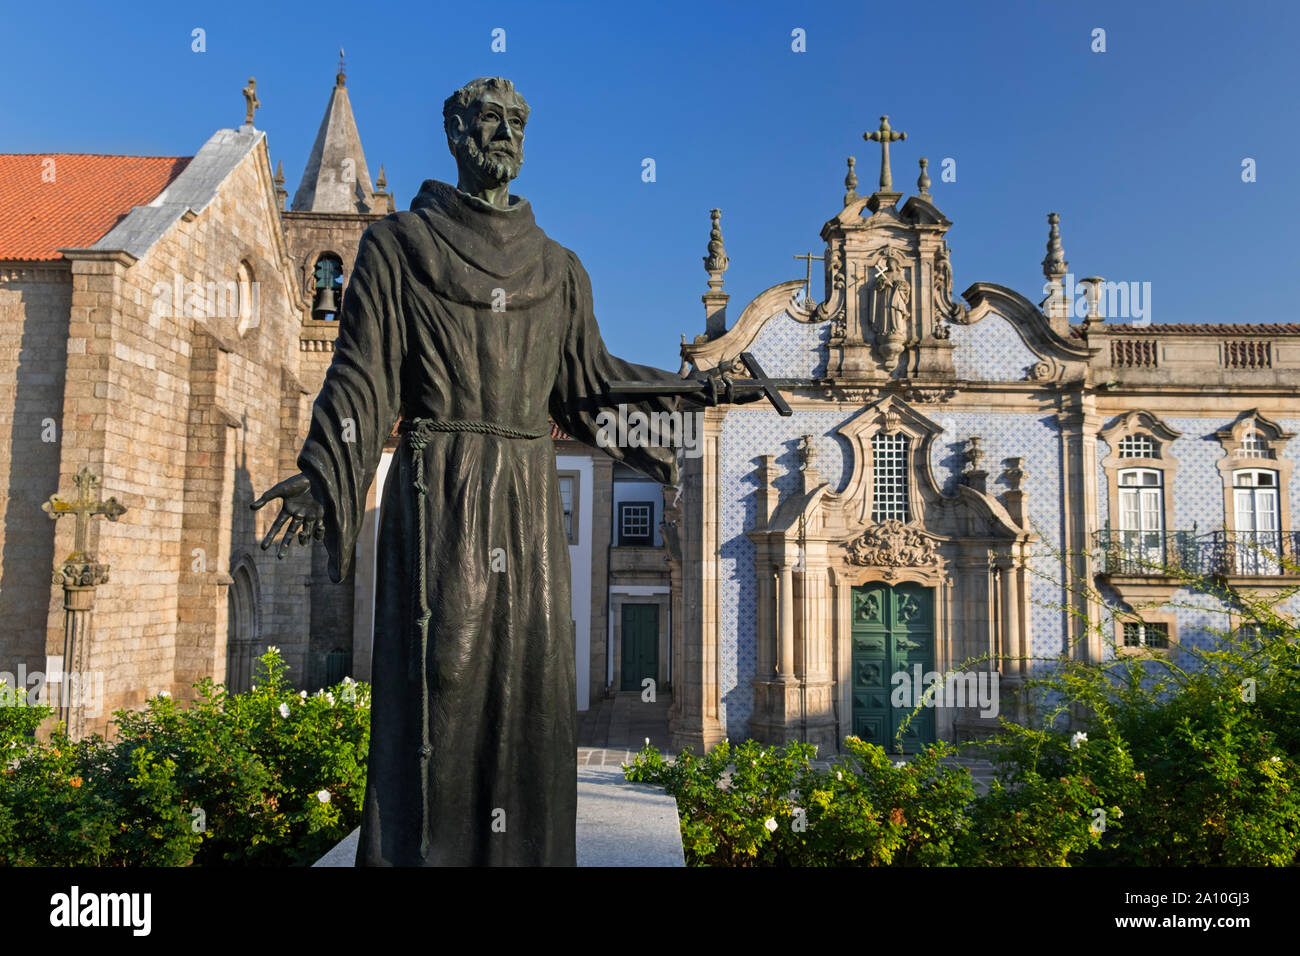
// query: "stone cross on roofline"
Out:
[807,282]
[885,195]
[251,102]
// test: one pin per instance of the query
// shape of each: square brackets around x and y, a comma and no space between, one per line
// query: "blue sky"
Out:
[1138,148]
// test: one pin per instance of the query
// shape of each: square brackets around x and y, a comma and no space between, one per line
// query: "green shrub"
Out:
[757,805]
[229,779]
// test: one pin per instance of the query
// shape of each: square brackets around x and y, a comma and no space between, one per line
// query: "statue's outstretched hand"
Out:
[300,510]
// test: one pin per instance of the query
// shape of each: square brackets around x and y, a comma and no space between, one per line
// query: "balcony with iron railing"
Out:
[1214,554]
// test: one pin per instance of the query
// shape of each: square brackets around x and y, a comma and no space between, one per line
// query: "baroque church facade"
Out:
[970,486]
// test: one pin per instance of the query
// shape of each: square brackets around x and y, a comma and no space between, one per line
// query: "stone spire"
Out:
[715,264]
[337,179]
[281,194]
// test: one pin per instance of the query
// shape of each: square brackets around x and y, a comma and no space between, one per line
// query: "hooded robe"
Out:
[473,742]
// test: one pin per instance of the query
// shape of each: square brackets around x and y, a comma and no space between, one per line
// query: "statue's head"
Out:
[484,121]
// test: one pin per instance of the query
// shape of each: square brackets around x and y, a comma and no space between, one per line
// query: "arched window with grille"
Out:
[889,477]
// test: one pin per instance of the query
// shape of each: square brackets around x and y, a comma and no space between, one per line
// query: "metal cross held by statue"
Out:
[716,387]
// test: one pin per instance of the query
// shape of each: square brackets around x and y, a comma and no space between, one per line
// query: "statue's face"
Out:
[491,146]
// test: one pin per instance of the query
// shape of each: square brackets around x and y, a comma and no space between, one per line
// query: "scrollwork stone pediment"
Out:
[892,544]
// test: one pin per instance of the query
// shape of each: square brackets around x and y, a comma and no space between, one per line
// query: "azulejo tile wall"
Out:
[789,349]
[991,350]
[1036,438]
[746,435]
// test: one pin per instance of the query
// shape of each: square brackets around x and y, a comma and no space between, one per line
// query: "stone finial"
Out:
[251,102]
[1054,265]
[382,196]
[281,194]
[973,476]
[1092,290]
[1014,473]
[923,181]
[851,183]
[341,79]
[715,264]
[809,477]
[807,452]
[1016,498]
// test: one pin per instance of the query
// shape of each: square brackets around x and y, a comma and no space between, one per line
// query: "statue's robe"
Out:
[473,745]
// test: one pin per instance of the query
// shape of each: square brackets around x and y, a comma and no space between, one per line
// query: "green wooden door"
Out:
[640,645]
[893,630]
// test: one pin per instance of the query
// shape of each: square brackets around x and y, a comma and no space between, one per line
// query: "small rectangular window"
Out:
[634,523]
[1146,634]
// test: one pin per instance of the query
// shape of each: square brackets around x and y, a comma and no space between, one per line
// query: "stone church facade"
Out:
[952,471]
[166,324]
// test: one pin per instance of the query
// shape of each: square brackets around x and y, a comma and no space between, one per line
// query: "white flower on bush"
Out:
[899,765]
[330,698]
[839,775]
[273,649]
[1274,759]
[771,824]
[347,680]
[284,710]
[164,693]
[1078,740]
[323,796]
[302,694]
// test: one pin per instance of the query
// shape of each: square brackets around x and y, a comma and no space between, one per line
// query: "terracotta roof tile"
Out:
[89,195]
[557,431]
[1192,328]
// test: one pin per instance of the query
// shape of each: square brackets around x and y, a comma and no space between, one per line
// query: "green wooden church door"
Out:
[893,629]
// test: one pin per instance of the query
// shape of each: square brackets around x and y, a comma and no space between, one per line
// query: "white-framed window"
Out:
[889,477]
[1146,634]
[1257,540]
[634,523]
[569,499]
[1142,518]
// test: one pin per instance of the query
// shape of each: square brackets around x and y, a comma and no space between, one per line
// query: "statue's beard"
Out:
[497,167]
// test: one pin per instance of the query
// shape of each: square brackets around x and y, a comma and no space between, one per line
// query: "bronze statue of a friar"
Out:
[464,320]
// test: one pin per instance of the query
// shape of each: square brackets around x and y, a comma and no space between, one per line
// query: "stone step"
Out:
[619,824]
